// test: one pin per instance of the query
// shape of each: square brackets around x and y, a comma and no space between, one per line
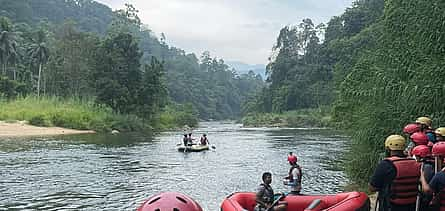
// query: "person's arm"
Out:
[259,197]
[382,173]
[425,186]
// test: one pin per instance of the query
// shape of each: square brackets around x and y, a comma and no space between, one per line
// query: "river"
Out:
[117,172]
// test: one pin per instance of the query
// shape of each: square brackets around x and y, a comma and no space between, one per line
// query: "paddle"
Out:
[275,202]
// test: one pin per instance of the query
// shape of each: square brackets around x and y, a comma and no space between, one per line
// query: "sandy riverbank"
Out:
[21,129]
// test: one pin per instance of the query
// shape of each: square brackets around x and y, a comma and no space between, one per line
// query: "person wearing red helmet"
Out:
[422,154]
[293,180]
[425,124]
[169,201]
[418,138]
[265,196]
[437,183]
[409,129]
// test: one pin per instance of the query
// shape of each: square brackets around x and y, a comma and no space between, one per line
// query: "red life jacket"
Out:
[404,187]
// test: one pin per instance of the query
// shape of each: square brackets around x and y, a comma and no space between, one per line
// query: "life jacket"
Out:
[404,188]
[203,140]
[268,193]
[291,176]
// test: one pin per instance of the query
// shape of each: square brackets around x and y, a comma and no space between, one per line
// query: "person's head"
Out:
[204,135]
[292,159]
[395,144]
[185,135]
[419,138]
[411,128]
[421,152]
[438,149]
[424,122]
[440,134]
[267,177]
[190,134]
[170,201]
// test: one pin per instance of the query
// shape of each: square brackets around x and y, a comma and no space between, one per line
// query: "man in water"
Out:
[293,180]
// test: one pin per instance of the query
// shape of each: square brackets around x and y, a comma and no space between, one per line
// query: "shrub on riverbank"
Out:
[69,113]
[319,117]
[177,116]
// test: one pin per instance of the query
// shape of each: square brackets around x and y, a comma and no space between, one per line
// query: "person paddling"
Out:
[185,140]
[190,139]
[396,178]
[204,140]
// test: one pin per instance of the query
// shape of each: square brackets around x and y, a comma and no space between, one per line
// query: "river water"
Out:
[117,172]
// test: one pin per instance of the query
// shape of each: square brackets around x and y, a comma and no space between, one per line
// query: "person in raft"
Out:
[185,139]
[265,196]
[396,178]
[204,140]
[190,140]
[293,180]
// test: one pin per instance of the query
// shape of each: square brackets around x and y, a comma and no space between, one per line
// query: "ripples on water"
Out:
[104,172]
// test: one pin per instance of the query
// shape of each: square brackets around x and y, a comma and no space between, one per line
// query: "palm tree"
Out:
[40,53]
[8,44]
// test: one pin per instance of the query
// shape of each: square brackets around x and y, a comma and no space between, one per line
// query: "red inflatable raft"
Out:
[354,201]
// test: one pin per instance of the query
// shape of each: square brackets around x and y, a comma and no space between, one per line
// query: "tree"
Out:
[153,91]
[39,52]
[8,44]
[117,76]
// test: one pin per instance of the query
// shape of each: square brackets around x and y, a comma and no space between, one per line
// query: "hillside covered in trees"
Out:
[83,49]
[377,67]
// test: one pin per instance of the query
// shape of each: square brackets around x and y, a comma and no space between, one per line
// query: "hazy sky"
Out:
[235,30]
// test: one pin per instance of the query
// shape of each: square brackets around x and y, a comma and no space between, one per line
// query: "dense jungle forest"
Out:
[82,49]
[376,67]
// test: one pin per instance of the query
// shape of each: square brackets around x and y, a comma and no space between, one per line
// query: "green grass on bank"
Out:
[317,117]
[177,116]
[69,113]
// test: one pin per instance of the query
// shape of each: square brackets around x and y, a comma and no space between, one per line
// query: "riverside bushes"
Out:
[70,113]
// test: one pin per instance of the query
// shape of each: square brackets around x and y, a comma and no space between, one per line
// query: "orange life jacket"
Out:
[404,187]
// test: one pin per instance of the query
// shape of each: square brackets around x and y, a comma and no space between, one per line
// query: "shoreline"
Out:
[22,129]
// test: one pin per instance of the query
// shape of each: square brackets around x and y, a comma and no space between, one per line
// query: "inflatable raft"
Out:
[193,148]
[354,201]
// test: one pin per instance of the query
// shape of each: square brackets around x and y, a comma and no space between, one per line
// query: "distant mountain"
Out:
[242,68]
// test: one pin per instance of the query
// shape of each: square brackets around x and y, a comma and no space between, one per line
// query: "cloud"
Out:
[241,30]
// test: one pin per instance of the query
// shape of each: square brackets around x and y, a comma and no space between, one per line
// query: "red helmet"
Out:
[411,128]
[170,201]
[292,158]
[439,149]
[421,151]
[419,138]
